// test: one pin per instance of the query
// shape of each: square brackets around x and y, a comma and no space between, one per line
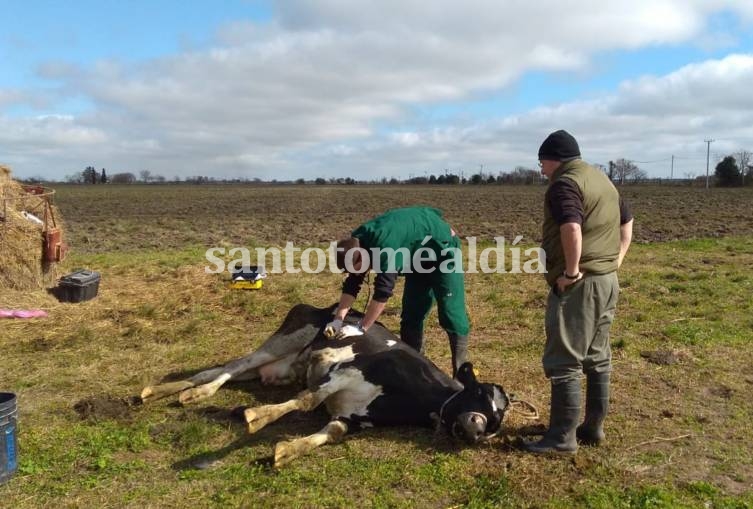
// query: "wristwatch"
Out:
[568,276]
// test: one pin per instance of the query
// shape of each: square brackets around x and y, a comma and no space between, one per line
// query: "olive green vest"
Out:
[601,222]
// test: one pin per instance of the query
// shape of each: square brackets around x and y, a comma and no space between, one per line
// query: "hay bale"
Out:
[22,265]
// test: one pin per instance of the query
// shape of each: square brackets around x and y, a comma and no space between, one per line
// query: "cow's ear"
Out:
[466,375]
[501,399]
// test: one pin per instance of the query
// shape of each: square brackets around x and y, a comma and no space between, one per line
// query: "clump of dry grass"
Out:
[22,264]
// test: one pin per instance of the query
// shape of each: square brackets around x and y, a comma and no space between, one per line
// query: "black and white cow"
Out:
[364,381]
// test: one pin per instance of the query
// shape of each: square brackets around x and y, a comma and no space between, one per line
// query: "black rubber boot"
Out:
[458,350]
[565,412]
[412,337]
[591,432]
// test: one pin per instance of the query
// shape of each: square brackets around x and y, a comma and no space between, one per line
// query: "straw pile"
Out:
[22,265]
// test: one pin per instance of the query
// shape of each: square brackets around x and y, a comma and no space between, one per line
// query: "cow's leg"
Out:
[214,378]
[230,370]
[299,328]
[285,452]
[306,401]
[153,392]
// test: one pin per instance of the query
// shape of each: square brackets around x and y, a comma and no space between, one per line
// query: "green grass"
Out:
[158,314]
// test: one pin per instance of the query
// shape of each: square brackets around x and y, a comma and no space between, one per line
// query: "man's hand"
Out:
[563,282]
[350,331]
[333,328]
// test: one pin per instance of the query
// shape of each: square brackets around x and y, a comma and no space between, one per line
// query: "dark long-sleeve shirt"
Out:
[384,284]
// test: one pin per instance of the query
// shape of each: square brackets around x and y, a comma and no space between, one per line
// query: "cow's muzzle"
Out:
[471,427]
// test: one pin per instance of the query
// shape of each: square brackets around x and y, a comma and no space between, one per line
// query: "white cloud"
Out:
[332,85]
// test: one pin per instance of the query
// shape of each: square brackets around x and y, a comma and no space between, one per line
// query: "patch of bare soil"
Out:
[106,407]
[665,357]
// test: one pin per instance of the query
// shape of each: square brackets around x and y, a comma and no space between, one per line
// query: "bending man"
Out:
[418,243]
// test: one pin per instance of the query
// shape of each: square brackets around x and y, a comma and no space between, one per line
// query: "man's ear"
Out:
[357,261]
[466,375]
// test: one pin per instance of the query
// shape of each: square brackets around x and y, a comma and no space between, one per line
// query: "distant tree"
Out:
[432,179]
[477,178]
[744,159]
[638,176]
[727,173]
[525,175]
[611,171]
[320,181]
[490,179]
[103,177]
[394,181]
[453,179]
[520,175]
[160,179]
[89,175]
[625,170]
[300,181]
[145,175]
[123,178]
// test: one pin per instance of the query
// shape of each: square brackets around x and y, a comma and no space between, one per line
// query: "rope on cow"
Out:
[516,404]
[440,419]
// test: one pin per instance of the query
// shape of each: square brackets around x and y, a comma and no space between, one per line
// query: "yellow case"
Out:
[246,285]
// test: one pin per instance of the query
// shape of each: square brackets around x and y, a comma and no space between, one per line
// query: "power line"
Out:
[654,161]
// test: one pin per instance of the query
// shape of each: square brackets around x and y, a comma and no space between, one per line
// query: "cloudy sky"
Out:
[373,89]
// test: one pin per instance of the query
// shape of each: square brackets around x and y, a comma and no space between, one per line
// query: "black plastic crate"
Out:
[78,286]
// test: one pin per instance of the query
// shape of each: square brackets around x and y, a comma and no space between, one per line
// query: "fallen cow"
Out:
[369,380]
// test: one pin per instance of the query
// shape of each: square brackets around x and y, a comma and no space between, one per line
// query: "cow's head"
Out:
[474,414]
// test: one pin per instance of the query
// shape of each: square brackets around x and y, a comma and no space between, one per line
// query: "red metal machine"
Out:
[54,247]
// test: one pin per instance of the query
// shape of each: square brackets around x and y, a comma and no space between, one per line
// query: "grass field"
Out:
[678,432]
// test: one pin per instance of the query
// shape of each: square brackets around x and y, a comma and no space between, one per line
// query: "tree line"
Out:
[733,170]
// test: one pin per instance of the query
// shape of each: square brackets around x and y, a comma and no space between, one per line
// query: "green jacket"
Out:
[601,222]
[404,229]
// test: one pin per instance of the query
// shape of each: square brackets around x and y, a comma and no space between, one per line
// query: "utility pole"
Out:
[708,150]
[672,169]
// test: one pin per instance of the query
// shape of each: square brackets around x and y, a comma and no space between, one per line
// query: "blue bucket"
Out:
[8,436]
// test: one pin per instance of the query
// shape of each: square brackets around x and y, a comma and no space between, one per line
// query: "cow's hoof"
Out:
[255,421]
[147,394]
[284,454]
[193,395]
[154,392]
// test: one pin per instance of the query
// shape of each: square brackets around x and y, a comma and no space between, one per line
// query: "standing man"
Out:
[586,234]
[403,232]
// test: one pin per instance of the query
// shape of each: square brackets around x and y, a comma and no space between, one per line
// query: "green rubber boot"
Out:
[591,432]
[565,412]
[412,337]
[458,350]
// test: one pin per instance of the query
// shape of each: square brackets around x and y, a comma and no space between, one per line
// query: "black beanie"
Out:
[559,146]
